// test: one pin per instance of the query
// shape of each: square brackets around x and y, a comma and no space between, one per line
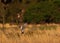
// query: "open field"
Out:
[46,33]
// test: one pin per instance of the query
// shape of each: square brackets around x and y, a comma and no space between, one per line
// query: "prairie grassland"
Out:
[47,33]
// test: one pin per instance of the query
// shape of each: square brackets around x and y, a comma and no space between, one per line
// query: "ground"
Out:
[40,33]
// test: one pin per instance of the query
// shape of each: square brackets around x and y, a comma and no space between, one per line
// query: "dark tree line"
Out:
[36,11]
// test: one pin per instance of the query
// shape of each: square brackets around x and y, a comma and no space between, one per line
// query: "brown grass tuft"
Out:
[32,34]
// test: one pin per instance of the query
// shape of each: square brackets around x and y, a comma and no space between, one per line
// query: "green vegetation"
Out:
[36,11]
[47,27]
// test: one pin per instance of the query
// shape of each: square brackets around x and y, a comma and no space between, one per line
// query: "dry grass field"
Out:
[45,33]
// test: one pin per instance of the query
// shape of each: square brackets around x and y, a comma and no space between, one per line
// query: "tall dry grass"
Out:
[47,33]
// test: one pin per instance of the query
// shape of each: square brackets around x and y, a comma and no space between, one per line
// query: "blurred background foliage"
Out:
[36,11]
